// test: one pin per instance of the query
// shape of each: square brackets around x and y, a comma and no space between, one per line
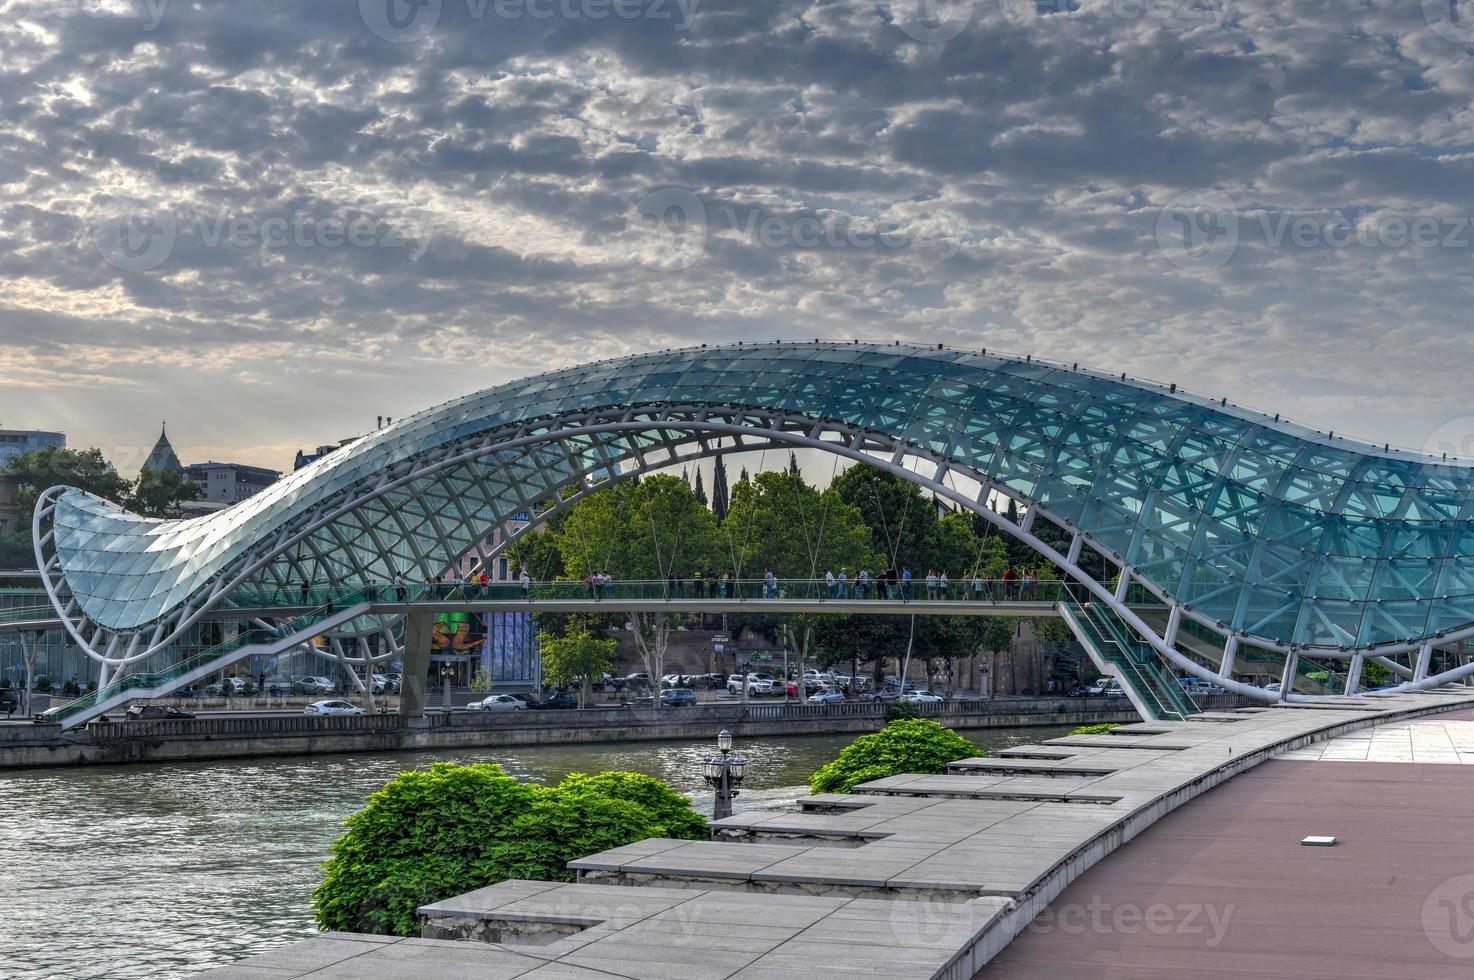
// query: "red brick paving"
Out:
[1352,912]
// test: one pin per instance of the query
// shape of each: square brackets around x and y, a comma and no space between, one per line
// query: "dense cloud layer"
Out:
[271,220]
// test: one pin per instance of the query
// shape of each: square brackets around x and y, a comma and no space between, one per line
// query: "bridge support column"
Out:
[419,631]
[1353,673]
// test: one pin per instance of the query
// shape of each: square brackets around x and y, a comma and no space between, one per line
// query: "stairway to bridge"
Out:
[1149,680]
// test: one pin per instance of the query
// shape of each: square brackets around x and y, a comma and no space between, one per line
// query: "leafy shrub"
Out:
[910,745]
[902,710]
[429,835]
[666,807]
[1100,729]
[42,683]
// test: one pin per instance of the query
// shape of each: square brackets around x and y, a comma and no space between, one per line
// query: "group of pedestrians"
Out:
[897,583]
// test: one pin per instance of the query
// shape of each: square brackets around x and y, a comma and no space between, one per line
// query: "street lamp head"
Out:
[738,766]
[724,741]
[712,770]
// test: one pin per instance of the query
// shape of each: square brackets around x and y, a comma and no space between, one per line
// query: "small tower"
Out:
[163,458]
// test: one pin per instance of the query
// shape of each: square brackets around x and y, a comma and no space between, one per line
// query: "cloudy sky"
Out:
[269,221]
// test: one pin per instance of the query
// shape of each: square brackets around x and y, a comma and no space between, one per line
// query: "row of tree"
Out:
[868,519]
[152,494]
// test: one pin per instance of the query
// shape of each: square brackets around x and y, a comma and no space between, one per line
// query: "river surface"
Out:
[165,870]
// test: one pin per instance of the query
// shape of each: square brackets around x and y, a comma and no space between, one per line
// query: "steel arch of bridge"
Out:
[418,496]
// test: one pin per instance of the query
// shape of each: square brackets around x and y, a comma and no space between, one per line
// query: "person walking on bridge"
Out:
[1010,578]
[526,581]
[905,583]
[942,585]
[829,584]
[844,583]
[770,585]
[398,586]
[931,584]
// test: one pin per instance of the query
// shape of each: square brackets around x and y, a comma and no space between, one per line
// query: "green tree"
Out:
[428,835]
[779,523]
[35,472]
[85,469]
[903,746]
[575,657]
[643,530]
[158,493]
[720,492]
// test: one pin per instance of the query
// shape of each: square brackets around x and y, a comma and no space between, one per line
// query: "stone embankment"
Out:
[223,737]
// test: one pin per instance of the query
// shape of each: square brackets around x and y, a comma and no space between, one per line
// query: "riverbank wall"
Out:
[124,742]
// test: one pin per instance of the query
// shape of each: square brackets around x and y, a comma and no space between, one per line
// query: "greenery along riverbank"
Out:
[429,835]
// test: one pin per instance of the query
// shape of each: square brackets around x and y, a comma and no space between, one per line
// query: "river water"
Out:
[165,870]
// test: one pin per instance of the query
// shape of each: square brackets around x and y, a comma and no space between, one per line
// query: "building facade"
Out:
[13,442]
[229,483]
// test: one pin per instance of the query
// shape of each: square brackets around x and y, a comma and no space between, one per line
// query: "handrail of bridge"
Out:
[735,590]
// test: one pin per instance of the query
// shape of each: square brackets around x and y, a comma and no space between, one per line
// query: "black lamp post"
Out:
[724,774]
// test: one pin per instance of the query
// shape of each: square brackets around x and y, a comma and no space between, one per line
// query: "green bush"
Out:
[666,807]
[902,710]
[429,835]
[1100,729]
[910,745]
[42,683]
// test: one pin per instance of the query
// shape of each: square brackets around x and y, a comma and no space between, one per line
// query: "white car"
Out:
[756,684]
[315,685]
[921,697]
[332,708]
[497,702]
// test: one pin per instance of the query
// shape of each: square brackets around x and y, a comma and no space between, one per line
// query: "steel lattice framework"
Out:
[1263,531]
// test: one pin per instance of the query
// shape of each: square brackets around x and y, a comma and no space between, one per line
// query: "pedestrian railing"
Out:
[676,588]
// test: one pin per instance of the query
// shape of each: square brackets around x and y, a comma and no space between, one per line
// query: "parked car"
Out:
[155,712]
[1273,688]
[1115,690]
[230,687]
[678,697]
[827,697]
[10,701]
[883,695]
[498,702]
[314,685]
[332,708]
[1098,688]
[383,684]
[755,685]
[921,697]
[556,702]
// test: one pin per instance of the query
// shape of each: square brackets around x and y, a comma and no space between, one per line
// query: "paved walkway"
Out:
[907,877]
[1445,740]
[1221,889]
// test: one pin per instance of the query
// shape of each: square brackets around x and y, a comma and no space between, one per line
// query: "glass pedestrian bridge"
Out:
[1264,534]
